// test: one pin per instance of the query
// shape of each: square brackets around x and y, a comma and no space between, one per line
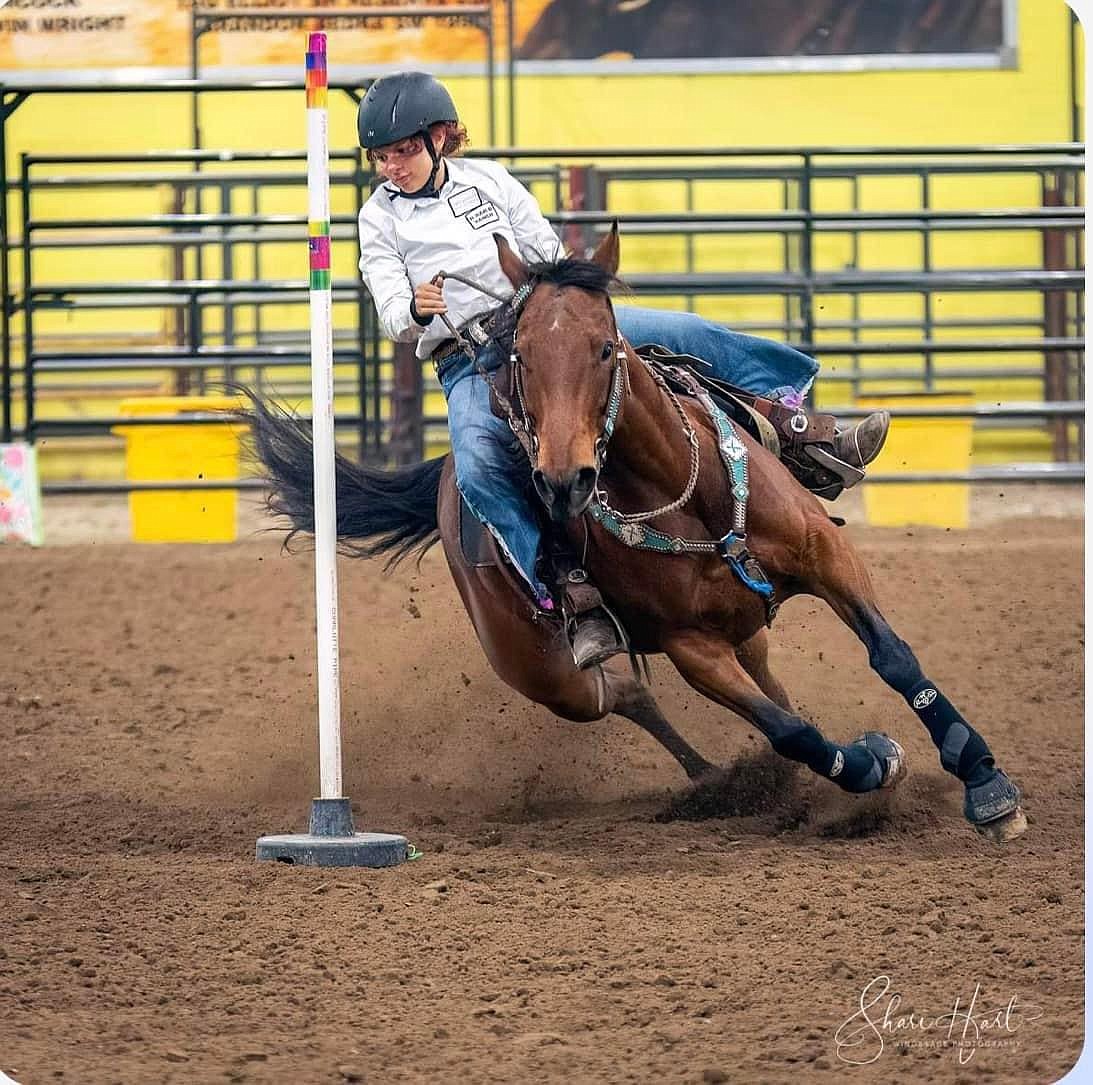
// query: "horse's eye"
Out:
[608,348]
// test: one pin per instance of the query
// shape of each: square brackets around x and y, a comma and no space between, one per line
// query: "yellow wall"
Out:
[1028,104]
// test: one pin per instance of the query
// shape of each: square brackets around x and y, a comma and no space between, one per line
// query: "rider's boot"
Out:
[594,633]
[823,457]
[594,638]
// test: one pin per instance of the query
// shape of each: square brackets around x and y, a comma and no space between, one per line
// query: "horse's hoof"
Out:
[1003,830]
[887,751]
[994,808]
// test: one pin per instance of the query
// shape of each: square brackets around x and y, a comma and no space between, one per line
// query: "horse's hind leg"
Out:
[635,701]
[707,661]
[753,657]
[589,695]
[535,660]
[991,800]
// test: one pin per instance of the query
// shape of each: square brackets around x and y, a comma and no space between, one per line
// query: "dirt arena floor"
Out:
[157,715]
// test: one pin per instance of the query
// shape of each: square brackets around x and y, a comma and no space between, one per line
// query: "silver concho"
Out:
[631,534]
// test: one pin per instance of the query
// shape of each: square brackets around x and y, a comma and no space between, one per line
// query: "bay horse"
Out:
[600,426]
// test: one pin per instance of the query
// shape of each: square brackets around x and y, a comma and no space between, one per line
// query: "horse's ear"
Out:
[607,251]
[516,271]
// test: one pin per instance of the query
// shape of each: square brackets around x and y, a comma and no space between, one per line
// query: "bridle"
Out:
[618,389]
[519,417]
[522,422]
[632,528]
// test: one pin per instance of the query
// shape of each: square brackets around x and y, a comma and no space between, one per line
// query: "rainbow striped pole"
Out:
[331,839]
[322,425]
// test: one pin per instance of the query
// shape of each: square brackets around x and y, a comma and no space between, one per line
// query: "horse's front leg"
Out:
[992,802]
[709,663]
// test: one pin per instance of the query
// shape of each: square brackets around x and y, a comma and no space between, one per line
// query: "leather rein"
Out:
[631,528]
[618,389]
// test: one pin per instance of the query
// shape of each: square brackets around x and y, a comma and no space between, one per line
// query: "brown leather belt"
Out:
[443,352]
[479,330]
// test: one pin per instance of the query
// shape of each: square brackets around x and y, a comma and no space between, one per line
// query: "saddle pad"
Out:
[474,538]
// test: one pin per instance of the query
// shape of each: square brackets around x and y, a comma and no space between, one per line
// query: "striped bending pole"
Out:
[322,413]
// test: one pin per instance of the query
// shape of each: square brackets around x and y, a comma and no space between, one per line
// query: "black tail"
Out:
[379,512]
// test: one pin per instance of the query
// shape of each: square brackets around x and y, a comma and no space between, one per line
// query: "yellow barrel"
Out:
[921,446]
[193,451]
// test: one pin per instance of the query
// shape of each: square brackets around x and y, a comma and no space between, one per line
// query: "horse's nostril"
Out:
[542,487]
[584,480]
[565,497]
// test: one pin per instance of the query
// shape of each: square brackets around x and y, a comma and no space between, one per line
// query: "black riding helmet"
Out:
[401,105]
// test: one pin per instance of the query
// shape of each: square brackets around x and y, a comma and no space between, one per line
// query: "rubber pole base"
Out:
[332,841]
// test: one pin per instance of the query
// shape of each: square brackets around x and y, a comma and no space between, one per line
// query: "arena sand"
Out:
[157,715]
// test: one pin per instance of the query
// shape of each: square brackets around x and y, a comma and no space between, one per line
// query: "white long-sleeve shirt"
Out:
[405,242]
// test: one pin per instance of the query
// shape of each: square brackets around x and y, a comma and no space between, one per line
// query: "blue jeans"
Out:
[757,365]
[491,469]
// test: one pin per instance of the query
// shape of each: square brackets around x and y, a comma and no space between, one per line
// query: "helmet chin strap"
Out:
[429,189]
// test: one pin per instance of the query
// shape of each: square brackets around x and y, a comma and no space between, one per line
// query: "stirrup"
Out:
[815,474]
[594,637]
[847,474]
[586,613]
[841,465]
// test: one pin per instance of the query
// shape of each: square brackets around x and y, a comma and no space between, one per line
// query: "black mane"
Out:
[569,271]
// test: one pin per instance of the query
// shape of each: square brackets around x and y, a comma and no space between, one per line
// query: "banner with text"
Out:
[57,40]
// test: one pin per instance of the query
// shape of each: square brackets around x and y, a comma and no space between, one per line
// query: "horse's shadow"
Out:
[760,795]
[779,798]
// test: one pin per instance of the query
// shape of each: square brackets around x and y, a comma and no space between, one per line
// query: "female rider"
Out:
[439,213]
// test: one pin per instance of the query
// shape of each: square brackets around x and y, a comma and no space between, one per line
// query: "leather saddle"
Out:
[474,539]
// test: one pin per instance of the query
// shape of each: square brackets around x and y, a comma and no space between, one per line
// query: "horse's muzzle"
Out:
[566,498]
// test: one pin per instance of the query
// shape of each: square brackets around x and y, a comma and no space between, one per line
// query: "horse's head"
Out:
[570,370]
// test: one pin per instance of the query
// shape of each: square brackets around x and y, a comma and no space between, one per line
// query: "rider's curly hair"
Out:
[456,139]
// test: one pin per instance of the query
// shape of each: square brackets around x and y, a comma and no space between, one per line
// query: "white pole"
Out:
[322,413]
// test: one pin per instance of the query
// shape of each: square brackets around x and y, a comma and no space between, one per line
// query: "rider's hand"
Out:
[429,299]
